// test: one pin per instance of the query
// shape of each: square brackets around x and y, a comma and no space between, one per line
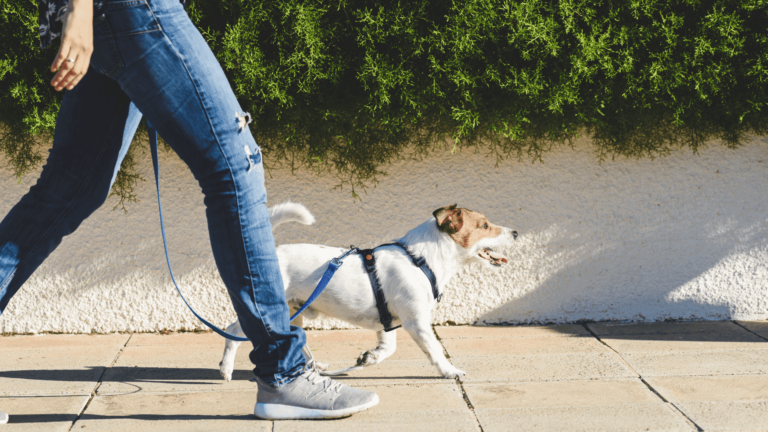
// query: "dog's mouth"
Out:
[496,259]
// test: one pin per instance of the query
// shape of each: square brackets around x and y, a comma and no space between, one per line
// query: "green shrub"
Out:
[350,86]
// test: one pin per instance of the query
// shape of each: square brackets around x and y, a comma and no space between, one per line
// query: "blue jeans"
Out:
[150,59]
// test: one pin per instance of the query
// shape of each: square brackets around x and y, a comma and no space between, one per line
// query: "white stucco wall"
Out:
[684,236]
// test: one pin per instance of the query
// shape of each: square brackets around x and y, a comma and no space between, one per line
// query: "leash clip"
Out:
[338,260]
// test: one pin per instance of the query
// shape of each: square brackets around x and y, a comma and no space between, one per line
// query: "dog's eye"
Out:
[485,226]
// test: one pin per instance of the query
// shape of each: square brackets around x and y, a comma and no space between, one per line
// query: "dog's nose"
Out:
[514,234]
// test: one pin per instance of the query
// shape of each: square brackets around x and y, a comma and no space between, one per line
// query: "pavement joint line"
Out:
[98,383]
[460,385]
[674,407]
[739,324]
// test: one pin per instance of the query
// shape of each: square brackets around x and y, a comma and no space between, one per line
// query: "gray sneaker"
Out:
[3,418]
[311,396]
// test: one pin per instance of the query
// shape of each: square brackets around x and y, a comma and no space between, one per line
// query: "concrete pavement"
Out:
[678,376]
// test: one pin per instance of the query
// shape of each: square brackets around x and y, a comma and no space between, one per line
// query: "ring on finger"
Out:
[70,60]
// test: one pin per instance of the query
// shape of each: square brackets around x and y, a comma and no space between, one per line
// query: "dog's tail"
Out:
[290,212]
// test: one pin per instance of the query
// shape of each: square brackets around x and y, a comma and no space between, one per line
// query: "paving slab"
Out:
[401,408]
[687,342]
[721,402]
[478,332]
[559,393]
[534,358]
[202,411]
[759,327]
[174,368]
[55,364]
[554,367]
[633,417]
[661,328]
[743,388]
[572,405]
[41,414]
[206,338]
[728,416]
[522,346]
[687,363]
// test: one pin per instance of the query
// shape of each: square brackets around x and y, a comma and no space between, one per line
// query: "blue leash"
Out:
[332,266]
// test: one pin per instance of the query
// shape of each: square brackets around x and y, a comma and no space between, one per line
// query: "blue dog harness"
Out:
[369,263]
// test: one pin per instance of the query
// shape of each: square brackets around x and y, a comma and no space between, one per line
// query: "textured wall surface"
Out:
[684,236]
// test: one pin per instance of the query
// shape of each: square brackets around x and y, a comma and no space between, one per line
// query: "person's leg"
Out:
[163,64]
[93,131]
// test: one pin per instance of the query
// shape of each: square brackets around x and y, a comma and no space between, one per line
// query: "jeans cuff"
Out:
[278,380]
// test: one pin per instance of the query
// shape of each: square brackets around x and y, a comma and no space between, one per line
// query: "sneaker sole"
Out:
[288,412]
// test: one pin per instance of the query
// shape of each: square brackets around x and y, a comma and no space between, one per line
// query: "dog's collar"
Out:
[369,263]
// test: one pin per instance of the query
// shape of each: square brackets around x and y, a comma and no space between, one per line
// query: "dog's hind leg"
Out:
[385,348]
[424,336]
[227,363]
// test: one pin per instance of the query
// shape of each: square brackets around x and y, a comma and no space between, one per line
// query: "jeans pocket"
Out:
[105,58]
[129,18]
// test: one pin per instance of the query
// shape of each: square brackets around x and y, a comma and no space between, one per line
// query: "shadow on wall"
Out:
[675,238]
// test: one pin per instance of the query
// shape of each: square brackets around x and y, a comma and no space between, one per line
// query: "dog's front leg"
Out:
[424,336]
[385,348]
[227,363]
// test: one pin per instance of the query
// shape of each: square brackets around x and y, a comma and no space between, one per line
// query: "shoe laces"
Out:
[312,374]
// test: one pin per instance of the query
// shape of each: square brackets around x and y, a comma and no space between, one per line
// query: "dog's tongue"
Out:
[492,256]
[498,256]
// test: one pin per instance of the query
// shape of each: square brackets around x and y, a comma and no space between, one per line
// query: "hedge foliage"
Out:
[350,85]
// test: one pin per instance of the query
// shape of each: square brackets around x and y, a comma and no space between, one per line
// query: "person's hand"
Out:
[74,56]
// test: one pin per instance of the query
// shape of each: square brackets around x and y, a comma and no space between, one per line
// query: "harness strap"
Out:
[369,262]
[421,263]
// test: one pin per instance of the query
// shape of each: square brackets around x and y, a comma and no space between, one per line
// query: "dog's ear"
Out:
[448,219]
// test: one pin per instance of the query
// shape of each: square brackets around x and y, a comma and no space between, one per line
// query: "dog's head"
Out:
[473,232]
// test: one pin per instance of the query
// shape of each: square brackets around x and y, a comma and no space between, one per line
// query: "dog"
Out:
[451,239]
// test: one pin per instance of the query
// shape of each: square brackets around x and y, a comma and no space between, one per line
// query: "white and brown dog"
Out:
[451,239]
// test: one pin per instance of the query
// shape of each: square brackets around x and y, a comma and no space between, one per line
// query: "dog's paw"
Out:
[367,358]
[453,373]
[226,370]
[321,366]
